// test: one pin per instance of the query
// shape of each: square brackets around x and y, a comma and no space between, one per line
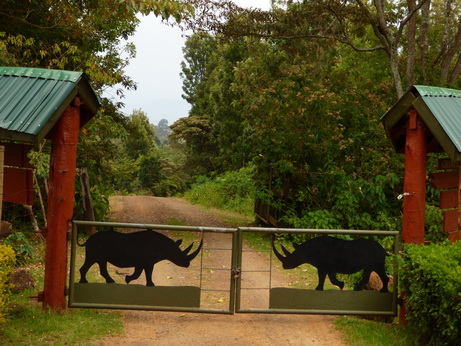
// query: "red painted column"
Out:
[60,205]
[414,185]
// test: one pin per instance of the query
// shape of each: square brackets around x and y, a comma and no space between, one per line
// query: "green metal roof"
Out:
[439,108]
[33,99]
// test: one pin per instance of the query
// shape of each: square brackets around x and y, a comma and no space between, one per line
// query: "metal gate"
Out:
[226,270]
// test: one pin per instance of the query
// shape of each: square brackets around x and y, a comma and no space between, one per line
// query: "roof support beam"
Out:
[60,205]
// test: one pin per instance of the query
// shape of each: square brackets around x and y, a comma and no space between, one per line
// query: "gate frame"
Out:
[235,270]
[232,279]
[240,232]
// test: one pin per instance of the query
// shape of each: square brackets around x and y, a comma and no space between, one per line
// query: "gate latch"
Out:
[236,272]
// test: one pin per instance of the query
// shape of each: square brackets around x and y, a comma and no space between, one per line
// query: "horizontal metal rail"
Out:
[316,231]
[155,226]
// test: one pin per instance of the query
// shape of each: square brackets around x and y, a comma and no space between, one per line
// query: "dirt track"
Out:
[177,328]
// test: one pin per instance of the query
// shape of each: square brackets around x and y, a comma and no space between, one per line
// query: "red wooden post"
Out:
[414,186]
[414,203]
[60,205]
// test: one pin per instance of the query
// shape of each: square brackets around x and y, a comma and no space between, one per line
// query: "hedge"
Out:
[431,278]
[7,262]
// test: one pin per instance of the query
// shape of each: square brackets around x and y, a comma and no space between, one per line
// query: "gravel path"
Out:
[177,328]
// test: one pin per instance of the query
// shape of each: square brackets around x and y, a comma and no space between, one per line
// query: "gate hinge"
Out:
[236,272]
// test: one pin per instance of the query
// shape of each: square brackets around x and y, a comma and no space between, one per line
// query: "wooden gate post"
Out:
[414,186]
[60,205]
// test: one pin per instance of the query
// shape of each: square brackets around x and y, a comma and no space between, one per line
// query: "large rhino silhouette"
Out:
[140,250]
[332,255]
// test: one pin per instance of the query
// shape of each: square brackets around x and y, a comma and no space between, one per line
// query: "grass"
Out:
[231,218]
[357,332]
[29,324]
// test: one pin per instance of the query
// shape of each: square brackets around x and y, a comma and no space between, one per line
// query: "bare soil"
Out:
[179,328]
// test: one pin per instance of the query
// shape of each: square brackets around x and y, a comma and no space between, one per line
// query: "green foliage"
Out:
[21,246]
[191,135]
[318,219]
[434,232]
[307,118]
[233,191]
[431,278]
[7,263]
[150,172]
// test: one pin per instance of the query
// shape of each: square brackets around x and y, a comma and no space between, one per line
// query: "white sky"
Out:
[156,69]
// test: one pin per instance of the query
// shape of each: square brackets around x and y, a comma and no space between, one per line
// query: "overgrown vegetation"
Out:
[232,191]
[431,279]
[27,323]
[7,263]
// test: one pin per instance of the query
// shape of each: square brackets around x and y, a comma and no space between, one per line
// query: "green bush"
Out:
[7,262]
[233,191]
[21,247]
[431,277]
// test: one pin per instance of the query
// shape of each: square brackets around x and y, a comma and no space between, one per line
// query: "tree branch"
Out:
[26,22]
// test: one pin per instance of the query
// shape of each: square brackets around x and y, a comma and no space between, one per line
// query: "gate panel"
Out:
[187,278]
[300,294]
[234,270]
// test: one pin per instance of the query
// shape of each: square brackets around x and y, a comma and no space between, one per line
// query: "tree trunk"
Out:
[411,46]
[394,62]
[444,42]
[452,50]
[456,71]
[424,37]
[87,201]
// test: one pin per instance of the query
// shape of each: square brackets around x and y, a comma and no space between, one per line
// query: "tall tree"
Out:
[76,35]
[421,38]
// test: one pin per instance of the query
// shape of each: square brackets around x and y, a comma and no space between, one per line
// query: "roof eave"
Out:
[436,129]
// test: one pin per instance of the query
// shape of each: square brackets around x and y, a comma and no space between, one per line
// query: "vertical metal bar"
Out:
[73,256]
[270,264]
[201,265]
[238,250]
[232,275]
[396,274]
[2,163]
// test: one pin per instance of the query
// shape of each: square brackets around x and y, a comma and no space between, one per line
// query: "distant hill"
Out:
[162,130]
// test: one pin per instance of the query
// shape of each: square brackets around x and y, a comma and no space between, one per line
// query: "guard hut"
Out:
[425,120]
[36,104]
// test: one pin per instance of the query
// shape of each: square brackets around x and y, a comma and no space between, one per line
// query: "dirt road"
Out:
[177,328]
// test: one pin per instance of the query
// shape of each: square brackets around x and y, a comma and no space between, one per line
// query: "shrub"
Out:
[233,191]
[21,247]
[7,262]
[431,279]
